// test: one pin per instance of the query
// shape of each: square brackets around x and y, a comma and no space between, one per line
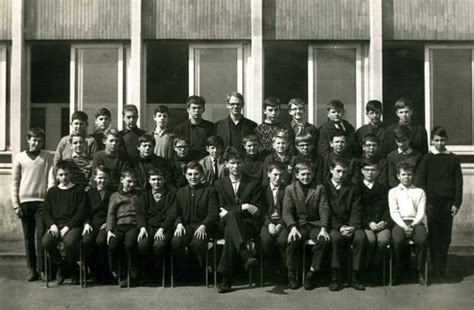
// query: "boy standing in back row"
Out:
[131,132]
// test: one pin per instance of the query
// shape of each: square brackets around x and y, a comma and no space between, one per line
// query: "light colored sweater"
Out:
[407,203]
[31,178]
[63,151]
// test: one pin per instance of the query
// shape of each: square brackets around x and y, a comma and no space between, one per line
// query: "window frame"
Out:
[459,149]
[4,148]
[361,79]
[76,69]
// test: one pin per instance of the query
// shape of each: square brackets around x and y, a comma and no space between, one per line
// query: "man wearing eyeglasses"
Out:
[233,128]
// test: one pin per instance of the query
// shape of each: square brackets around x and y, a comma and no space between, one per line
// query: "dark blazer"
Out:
[345,205]
[142,165]
[299,210]
[161,214]
[183,129]
[317,162]
[97,207]
[269,207]
[206,163]
[375,204]
[324,145]
[419,139]
[223,129]
[353,171]
[205,202]
[249,191]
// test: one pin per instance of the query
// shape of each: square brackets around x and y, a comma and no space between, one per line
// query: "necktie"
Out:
[216,172]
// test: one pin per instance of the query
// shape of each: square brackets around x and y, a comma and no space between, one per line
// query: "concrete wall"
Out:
[10,225]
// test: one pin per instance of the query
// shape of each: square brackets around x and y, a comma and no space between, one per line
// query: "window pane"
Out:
[215,75]
[99,80]
[452,93]
[336,79]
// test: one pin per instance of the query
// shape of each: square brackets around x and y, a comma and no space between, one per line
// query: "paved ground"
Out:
[16,293]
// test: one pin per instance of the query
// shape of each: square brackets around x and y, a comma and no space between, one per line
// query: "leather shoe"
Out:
[421,279]
[224,287]
[308,282]
[123,284]
[334,286]
[60,275]
[33,276]
[357,285]
[292,283]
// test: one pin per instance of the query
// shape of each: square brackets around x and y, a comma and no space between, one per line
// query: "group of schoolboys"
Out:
[131,197]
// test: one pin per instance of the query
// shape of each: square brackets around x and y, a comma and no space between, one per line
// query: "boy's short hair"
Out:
[402,103]
[195,100]
[128,172]
[439,131]
[214,140]
[373,105]
[401,131]
[281,134]
[102,169]
[236,95]
[304,137]
[405,165]
[336,133]
[371,138]
[251,137]
[303,164]
[112,131]
[161,108]
[64,165]
[275,165]
[231,153]
[182,139]
[80,116]
[103,112]
[194,165]
[339,162]
[146,138]
[273,102]
[129,108]
[296,101]
[369,162]
[74,135]
[36,132]
[155,171]
[335,104]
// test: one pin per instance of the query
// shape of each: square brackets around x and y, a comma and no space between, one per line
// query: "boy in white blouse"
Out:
[407,209]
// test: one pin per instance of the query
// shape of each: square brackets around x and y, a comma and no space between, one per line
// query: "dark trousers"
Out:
[270,242]
[440,225]
[71,245]
[148,246]
[124,242]
[293,248]
[400,242]
[33,231]
[95,249]
[179,244]
[238,231]
[376,244]
[340,244]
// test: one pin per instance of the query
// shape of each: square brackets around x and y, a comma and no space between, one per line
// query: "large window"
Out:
[449,93]
[335,72]
[4,100]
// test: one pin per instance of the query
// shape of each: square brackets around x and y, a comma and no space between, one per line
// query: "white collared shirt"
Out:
[436,152]
[369,184]
[68,186]
[235,185]
[336,186]
[407,203]
[407,152]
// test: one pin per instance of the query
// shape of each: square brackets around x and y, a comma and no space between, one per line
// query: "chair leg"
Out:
[426,269]
[390,272]
[215,261]
[384,268]
[250,277]
[206,271]
[163,271]
[46,269]
[303,267]
[172,269]
[128,274]
[261,265]
[349,263]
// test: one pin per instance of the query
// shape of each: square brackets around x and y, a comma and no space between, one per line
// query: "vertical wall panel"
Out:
[5,20]
[196,19]
[428,19]
[316,19]
[77,19]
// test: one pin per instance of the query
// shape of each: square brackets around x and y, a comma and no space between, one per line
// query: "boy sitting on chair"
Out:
[407,208]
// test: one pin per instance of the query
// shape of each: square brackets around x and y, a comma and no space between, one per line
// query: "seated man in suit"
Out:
[198,214]
[239,201]
[233,128]
[346,223]
[213,164]
[306,213]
